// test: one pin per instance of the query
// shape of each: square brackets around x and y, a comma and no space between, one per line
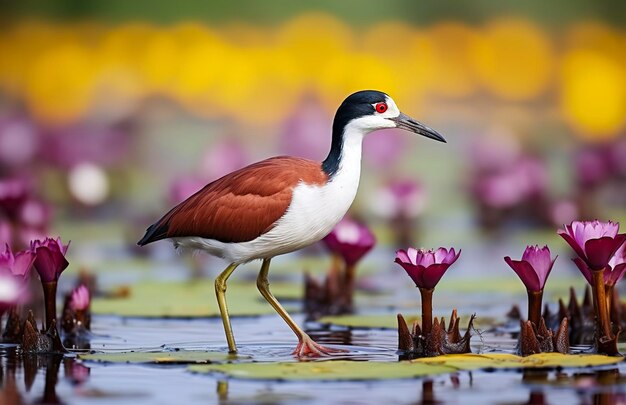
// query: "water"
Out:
[37,378]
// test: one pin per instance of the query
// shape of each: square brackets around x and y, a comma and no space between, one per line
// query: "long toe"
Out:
[307,347]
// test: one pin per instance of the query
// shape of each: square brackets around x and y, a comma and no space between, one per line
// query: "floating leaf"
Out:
[511,361]
[387,321]
[356,370]
[173,357]
[190,299]
[340,370]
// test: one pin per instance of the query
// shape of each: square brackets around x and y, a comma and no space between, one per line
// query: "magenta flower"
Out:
[18,264]
[80,298]
[351,240]
[13,193]
[613,272]
[50,261]
[534,268]
[594,242]
[426,267]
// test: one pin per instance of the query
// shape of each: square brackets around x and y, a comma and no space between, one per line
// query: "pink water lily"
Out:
[613,272]
[80,298]
[426,267]
[50,261]
[351,240]
[534,268]
[594,242]
[18,264]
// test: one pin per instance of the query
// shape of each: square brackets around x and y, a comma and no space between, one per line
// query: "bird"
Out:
[281,204]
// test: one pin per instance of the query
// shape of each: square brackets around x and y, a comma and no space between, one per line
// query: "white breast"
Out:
[312,214]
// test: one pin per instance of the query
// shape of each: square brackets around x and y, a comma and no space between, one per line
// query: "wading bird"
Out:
[281,204]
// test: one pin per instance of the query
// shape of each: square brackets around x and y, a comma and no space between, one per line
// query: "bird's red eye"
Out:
[381,107]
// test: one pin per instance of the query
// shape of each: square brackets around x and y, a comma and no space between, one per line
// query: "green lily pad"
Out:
[340,370]
[191,299]
[174,357]
[388,321]
[510,361]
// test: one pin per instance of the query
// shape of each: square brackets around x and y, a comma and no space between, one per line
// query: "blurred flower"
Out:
[5,232]
[18,141]
[183,188]
[88,183]
[613,272]
[80,144]
[223,157]
[13,193]
[400,198]
[594,242]
[534,268]
[350,240]
[384,147]
[591,166]
[426,267]
[11,292]
[50,261]
[303,131]
[80,298]
[617,157]
[563,211]
[18,264]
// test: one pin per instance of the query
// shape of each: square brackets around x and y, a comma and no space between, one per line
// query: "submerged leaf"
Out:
[191,299]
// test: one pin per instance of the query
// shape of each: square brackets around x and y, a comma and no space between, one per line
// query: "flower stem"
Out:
[427,310]
[599,296]
[534,306]
[50,301]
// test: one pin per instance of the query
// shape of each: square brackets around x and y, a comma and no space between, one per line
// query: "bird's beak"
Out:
[405,122]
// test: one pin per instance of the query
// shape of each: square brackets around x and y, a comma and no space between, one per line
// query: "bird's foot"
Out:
[307,347]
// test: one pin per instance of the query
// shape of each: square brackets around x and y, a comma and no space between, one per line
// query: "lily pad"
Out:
[174,357]
[510,361]
[340,370]
[386,321]
[191,299]
[343,370]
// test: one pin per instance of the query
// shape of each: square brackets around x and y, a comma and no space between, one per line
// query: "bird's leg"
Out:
[306,345]
[220,292]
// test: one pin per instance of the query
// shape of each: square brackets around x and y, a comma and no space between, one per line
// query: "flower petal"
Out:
[432,275]
[572,242]
[599,251]
[526,273]
[582,266]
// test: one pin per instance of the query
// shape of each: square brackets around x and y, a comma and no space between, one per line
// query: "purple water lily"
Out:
[49,263]
[426,267]
[351,240]
[613,272]
[533,270]
[18,264]
[596,243]
[80,298]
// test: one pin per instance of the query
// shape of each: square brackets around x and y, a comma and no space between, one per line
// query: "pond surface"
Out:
[50,379]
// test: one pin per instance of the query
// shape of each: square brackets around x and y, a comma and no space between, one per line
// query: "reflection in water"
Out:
[13,363]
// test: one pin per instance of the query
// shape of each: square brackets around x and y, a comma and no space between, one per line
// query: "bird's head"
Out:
[369,110]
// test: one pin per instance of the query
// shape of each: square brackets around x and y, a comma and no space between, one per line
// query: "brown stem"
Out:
[50,301]
[599,297]
[427,310]
[608,296]
[534,306]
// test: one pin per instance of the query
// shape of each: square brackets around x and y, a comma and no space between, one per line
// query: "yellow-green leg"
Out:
[306,345]
[220,292]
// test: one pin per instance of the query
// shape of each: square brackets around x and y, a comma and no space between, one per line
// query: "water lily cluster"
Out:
[432,338]
[348,243]
[46,257]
